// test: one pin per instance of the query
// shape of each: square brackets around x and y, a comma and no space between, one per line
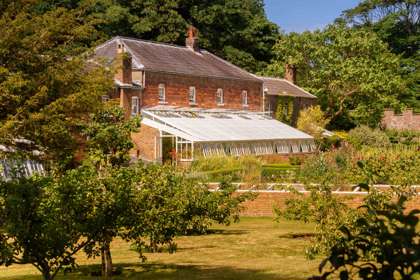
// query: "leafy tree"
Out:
[398,24]
[312,121]
[47,88]
[43,220]
[108,136]
[351,71]
[383,243]
[237,30]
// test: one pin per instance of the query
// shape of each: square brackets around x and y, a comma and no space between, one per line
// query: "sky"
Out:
[301,15]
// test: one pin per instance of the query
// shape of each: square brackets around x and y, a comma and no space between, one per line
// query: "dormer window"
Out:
[219,96]
[191,95]
[244,98]
[135,106]
[162,94]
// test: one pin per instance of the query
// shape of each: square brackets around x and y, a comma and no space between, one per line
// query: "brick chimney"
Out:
[123,65]
[191,41]
[290,73]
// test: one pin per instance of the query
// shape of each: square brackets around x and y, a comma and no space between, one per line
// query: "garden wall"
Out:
[266,200]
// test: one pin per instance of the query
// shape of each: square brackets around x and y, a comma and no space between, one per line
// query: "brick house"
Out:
[182,91]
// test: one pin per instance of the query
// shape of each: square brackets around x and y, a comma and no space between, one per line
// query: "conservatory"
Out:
[185,134]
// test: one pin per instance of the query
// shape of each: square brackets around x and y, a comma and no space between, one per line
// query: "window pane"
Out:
[191,95]
[244,97]
[161,92]
[219,96]
[134,105]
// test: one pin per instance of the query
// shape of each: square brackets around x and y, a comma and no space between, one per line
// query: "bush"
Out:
[245,168]
[278,172]
[366,136]
[382,243]
[404,137]
[328,143]
[312,121]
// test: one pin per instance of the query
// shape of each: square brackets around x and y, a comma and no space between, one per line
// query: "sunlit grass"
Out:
[256,248]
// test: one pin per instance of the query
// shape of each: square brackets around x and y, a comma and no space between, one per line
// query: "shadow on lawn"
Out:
[227,232]
[158,271]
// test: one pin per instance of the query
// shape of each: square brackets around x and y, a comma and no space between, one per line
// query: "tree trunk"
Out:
[47,275]
[106,261]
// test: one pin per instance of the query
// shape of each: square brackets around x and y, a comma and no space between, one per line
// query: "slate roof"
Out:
[282,87]
[160,57]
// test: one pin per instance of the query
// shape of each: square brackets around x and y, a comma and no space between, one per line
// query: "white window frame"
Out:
[135,109]
[192,95]
[244,97]
[162,93]
[220,98]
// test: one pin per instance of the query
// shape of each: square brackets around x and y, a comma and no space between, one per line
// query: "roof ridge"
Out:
[152,42]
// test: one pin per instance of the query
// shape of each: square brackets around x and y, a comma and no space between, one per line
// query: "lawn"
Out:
[255,248]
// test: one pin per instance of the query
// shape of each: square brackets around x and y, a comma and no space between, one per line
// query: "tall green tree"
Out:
[237,30]
[351,71]
[396,22]
[47,88]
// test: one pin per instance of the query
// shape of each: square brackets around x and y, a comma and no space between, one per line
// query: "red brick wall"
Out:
[146,143]
[406,120]
[266,200]
[177,87]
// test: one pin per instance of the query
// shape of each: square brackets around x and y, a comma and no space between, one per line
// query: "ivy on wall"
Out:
[284,110]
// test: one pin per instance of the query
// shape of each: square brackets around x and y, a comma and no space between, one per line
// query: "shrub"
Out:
[328,143]
[246,168]
[382,243]
[366,136]
[312,121]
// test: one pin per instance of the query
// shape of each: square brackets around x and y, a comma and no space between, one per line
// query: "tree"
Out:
[47,88]
[351,71]
[237,30]
[44,221]
[383,243]
[147,205]
[398,24]
[312,121]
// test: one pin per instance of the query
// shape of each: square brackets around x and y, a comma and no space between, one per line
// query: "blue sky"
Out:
[301,15]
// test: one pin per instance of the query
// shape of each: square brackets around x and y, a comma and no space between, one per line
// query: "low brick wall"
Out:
[263,205]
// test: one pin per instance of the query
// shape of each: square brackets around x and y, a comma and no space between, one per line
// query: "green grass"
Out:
[255,248]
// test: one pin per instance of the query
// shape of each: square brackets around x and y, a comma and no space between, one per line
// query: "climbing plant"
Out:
[284,110]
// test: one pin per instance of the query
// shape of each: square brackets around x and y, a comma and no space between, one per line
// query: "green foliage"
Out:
[284,110]
[396,23]
[312,121]
[237,30]
[109,136]
[328,143]
[339,170]
[45,96]
[365,136]
[351,71]
[245,168]
[382,243]
[410,138]
[43,220]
